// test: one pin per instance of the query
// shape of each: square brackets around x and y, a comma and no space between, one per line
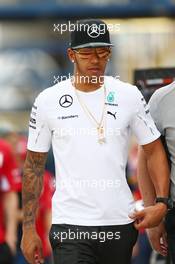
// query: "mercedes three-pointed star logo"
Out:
[93,31]
[66,100]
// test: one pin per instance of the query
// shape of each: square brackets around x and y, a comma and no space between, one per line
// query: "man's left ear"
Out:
[70,55]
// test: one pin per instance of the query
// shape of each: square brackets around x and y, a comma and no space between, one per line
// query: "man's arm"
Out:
[10,205]
[157,235]
[146,186]
[158,169]
[32,184]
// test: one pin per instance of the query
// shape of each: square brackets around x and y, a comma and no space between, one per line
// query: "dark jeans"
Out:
[6,256]
[170,228]
[144,252]
[73,244]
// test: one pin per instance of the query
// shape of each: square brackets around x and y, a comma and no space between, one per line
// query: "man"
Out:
[88,119]
[162,109]
[8,203]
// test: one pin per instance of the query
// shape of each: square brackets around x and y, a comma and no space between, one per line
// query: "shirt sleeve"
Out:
[142,123]
[155,112]
[39,139]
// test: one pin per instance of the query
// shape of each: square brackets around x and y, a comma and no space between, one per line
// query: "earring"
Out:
[73,61]
[108,59]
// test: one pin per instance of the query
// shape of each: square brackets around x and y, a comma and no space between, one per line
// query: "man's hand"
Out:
[158,239]
[149,217]
[31,246]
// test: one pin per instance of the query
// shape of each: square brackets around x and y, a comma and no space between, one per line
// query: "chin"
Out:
[98,77]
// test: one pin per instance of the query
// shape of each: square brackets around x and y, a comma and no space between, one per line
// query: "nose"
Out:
[95,57]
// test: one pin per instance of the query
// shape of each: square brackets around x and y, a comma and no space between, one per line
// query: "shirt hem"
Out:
[150,140]
[37,149]
[89,223]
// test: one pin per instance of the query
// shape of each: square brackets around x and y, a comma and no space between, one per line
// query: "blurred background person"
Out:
[43,220]
[8,203]
[17,143]
[161,102]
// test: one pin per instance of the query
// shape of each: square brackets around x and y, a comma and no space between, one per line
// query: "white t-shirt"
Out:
[91,186]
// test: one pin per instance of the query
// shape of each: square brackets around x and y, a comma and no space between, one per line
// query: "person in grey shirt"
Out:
[162,109]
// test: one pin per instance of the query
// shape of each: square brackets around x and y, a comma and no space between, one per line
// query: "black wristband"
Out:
[167,201]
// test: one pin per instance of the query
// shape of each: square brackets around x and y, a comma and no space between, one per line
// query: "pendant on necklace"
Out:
[101,136]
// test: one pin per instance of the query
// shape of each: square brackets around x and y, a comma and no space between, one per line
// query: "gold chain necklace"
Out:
[100,125]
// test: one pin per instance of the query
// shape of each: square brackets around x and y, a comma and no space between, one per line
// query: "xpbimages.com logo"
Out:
[85,235]
[81,78]
[94,31]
